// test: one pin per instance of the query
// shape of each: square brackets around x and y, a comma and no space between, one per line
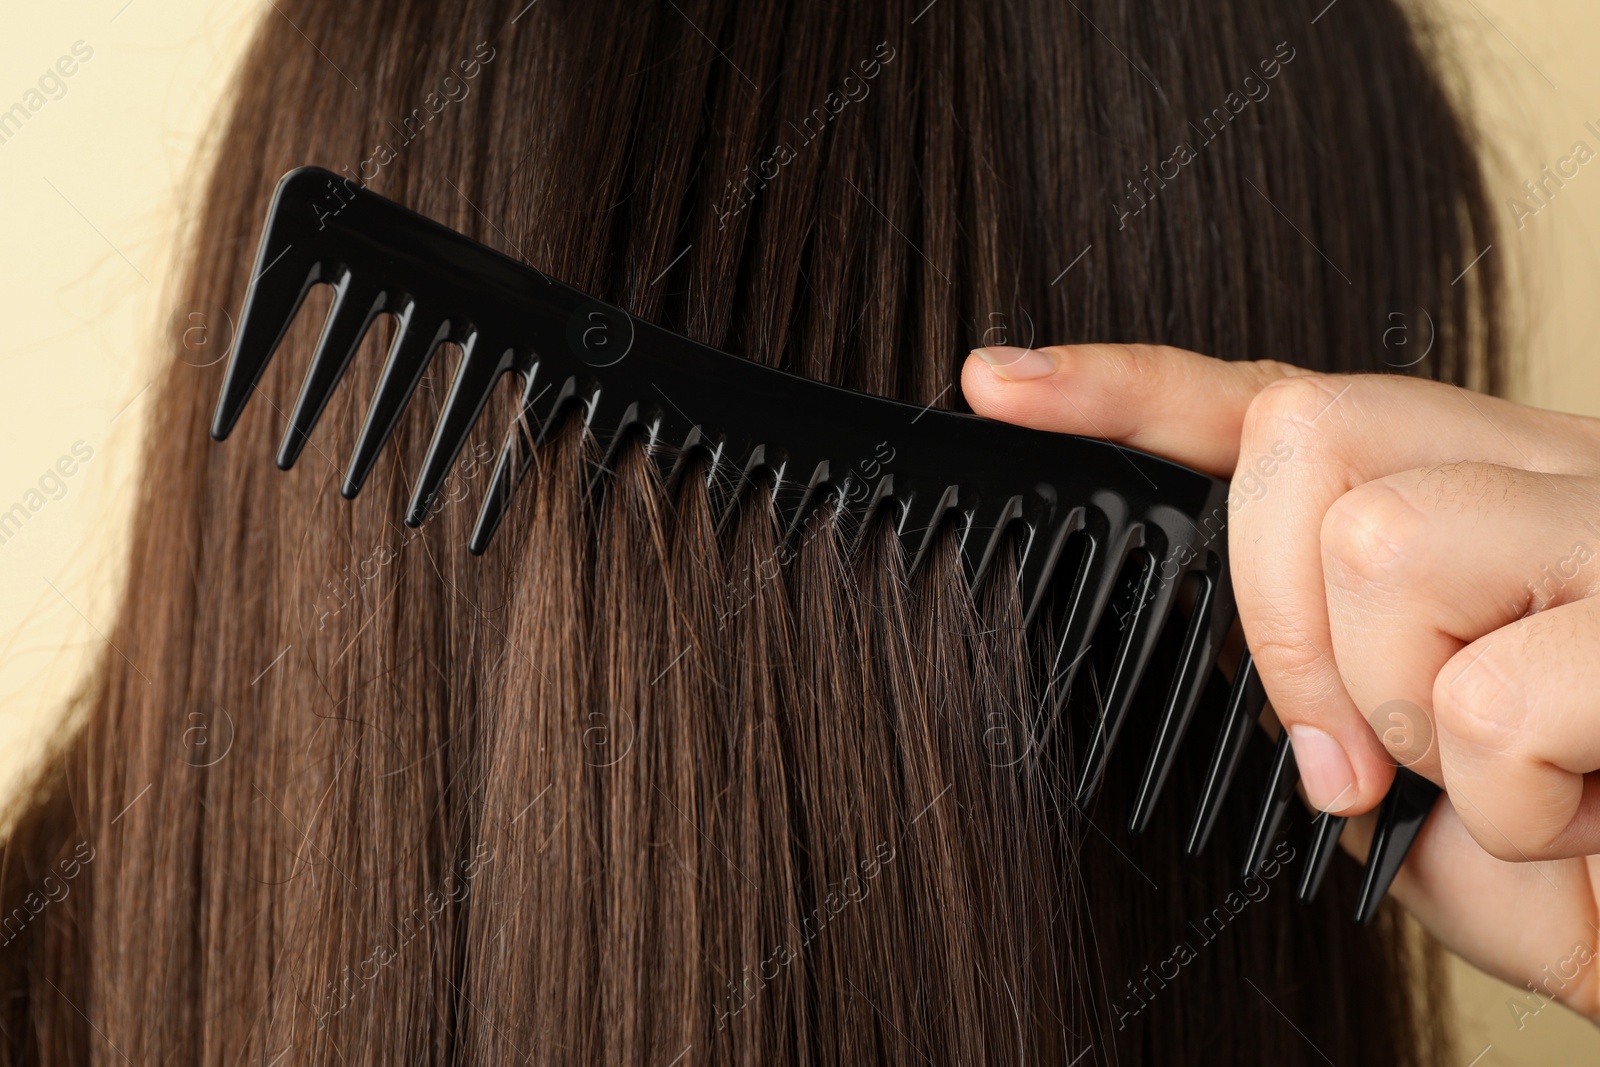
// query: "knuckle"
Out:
[1484,704]
[1295,400]
[1271,370]
[1290,666]
[1495,843]
[1373,535]
[1286,414]
[1513,837]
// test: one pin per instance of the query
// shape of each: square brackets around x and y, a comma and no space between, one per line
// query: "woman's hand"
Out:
[1410,556]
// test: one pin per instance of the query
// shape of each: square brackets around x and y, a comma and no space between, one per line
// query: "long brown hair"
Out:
[633,788]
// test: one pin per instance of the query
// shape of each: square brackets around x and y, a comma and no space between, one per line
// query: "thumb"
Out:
[1176,404]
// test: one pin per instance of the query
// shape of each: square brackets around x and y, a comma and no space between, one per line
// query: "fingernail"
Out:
[1324,768]
[1017,364]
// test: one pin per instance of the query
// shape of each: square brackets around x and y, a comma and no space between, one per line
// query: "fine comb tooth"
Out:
[1040,558]
[1246,701]
[758,465]
[1208,626]
[354,307]
[1400,819]
[417,338]
[1275,800]
[698,447]
[1153,601]
[814,492]
[1084,604]
[278,287]
[508,471]
[985,536]
[483,361]
[920,519]
[1325,831]
[883,500]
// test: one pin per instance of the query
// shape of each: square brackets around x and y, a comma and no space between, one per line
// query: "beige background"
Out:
[93,188]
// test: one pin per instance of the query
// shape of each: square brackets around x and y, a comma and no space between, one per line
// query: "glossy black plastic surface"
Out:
[810,443]
[1246,701]
[1275,801]
[1324,843]
[1400,819]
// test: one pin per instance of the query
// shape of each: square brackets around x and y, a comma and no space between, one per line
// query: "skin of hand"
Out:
[1417,569]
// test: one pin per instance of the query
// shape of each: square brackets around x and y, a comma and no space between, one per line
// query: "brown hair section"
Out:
[631,788]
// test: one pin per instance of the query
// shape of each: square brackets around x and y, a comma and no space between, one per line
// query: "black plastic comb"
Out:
[1124,512]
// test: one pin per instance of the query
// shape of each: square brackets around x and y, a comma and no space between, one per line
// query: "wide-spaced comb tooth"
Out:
[483,361]
[611,421]
[516,454]
[418,337]
[1325,831]
[354,307]
[1213,614]
[1400,819]
[1153,600]
[283,275]
[1283,776]
[508,471]
[868,499]
[1246,701]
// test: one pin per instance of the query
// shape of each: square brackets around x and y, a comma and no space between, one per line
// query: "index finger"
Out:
[1175,404]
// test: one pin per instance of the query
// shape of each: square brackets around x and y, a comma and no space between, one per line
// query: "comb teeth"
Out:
[354,308]
[278,287]
[482,363]
[415,341]
[1246,701]
[1153,599]
[1200,643]
[1085,601]
[918,466]
[1275,801]
[1400,819]
[1324,843]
